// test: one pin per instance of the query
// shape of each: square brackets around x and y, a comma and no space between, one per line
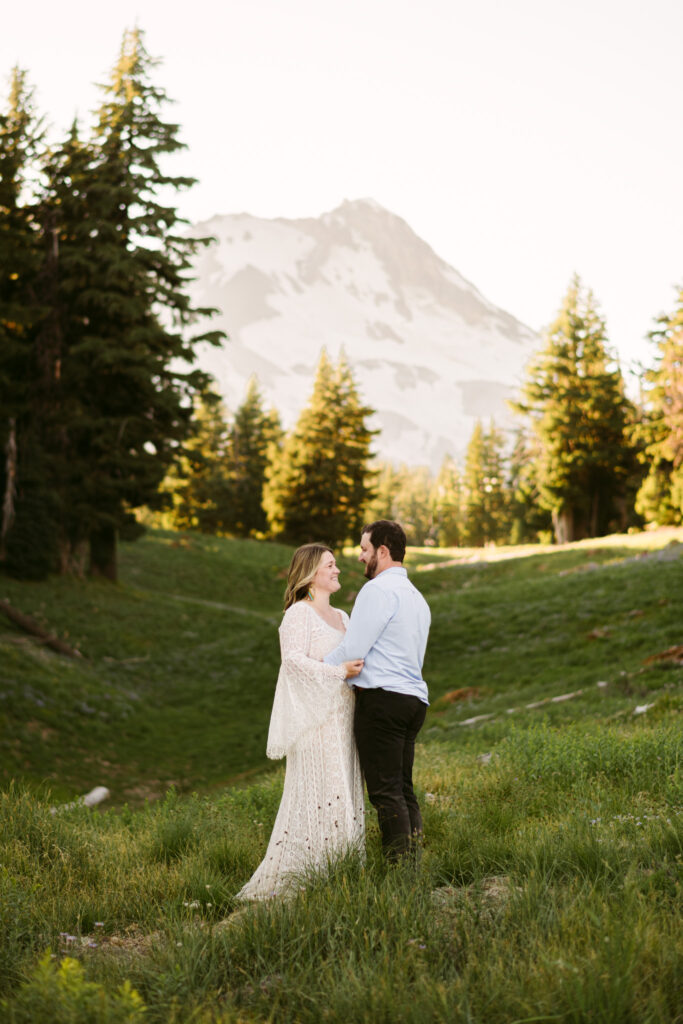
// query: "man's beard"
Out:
[371,568]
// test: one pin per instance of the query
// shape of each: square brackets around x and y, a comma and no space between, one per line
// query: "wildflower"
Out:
[99,924]
[92,945]
[192,904]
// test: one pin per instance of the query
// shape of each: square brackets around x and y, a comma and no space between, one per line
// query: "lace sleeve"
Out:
[307,690]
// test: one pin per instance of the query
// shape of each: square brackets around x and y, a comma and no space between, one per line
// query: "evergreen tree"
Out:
[529,521]
[660,498]
[126,290]
[447,500]
[26,504]
[199,484]
[404,493]
[485,499]
[577,405]
[320,483]
[384,503]
[69,240]
[251,435]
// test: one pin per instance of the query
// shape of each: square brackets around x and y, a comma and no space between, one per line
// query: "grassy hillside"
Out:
[181,657]
[550,887]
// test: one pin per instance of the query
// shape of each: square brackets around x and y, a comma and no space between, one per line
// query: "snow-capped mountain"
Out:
[430,354]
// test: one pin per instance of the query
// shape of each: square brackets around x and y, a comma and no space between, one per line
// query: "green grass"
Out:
[182,655]
[550,885]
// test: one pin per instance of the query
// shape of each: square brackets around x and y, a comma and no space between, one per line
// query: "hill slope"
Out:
[550,882]
[182,656]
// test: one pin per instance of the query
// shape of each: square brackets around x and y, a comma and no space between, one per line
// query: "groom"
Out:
[388,630]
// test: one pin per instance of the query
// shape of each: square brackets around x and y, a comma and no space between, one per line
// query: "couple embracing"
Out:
[349,702]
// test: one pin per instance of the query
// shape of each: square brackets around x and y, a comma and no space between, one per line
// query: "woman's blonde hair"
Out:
[302,569]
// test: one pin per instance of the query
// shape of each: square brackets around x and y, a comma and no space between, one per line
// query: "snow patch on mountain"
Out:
[430,353]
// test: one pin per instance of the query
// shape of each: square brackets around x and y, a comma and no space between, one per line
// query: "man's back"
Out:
[389,628]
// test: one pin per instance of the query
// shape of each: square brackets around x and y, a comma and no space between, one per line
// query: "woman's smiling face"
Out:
[326,579]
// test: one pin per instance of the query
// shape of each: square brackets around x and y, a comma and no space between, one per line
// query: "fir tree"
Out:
[529,521]
[447,500]
[579,411]
[128,295]
[252,433]
[405,493]
[485,514]
[69,241]
[199,483]
[26,504]
[320,484]
[660,498]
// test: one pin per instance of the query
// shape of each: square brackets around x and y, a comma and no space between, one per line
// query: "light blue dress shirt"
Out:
[388,629]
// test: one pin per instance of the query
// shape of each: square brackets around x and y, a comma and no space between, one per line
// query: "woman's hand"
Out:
[353,668]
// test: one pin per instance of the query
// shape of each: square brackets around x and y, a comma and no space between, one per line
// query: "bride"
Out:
[321,814]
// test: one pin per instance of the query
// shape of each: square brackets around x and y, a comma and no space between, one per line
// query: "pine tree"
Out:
[405,493]
[579,411]
[199,484]
[447,500]
[660,498]
[485,500]
[69,241]
[529,521]
[252,433]
[26,504]
[134,405]
[318,486]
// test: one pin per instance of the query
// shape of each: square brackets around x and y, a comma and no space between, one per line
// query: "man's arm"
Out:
[371,612]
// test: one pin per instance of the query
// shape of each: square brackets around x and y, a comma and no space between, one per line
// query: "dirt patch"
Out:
[44,731]
[674,654]
[453,696]
[488,896]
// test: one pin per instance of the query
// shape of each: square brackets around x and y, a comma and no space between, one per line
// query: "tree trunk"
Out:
[621,512]
[103,553]
[73,557]
[595,508]
[10,485]
[563,525]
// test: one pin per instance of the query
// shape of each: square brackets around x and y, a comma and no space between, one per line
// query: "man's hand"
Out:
[353,668]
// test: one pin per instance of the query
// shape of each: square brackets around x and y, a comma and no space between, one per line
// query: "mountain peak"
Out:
[430,353]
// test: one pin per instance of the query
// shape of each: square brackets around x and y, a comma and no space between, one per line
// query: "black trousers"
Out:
[385,727]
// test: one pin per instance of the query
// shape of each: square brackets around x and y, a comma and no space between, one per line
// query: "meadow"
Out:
[549,773]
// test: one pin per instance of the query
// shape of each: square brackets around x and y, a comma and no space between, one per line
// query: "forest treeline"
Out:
[583,461]
[101,428]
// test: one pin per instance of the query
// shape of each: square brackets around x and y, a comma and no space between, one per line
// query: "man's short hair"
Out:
[389,533]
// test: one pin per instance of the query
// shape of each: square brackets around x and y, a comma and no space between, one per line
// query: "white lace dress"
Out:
[321,814]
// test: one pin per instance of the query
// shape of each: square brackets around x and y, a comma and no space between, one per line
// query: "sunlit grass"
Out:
[182,655]
[550,882]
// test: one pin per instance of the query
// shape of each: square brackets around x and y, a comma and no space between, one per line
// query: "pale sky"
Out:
[522,139]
